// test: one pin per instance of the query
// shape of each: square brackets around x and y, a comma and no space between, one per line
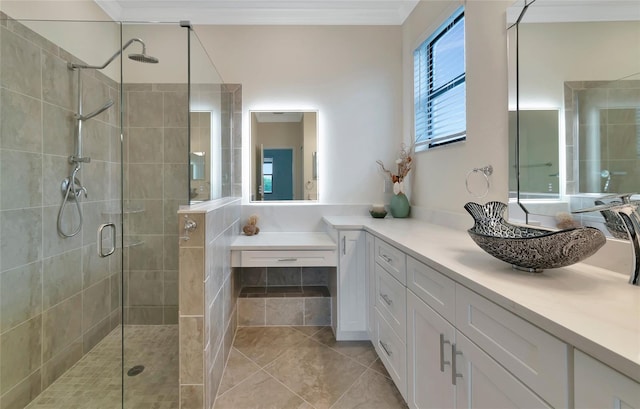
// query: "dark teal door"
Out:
[279,184]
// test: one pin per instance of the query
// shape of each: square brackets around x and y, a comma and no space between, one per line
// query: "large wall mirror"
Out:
[574,73]
[284,155]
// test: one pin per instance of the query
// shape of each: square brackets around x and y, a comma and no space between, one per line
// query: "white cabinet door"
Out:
[481,383]
[598,386]
[351,287]
[429,339]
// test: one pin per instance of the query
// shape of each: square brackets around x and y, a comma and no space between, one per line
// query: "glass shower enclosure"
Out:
[95,125]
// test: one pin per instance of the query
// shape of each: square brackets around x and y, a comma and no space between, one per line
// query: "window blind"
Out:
[439,85]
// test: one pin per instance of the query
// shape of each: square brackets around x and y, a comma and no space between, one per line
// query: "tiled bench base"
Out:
[283,295]
[287,305]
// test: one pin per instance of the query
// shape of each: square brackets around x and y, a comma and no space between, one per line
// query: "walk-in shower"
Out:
[72,188]
[72,323]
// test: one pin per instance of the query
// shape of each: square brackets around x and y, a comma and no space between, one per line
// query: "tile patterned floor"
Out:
[94,381]
[303,368]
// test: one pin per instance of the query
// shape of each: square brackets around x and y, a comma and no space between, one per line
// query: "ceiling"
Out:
[554,11]
[262,12]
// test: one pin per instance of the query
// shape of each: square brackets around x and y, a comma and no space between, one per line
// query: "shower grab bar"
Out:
[112,249]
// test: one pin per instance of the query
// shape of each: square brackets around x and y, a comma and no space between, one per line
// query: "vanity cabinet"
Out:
[350,292]
[599,386]
[480,382]
[447,369]
[389,311]
[429,339]
[535,357]
[468,343]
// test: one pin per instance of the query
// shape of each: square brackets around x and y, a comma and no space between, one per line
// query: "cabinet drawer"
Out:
[438,291]
[538,359]
[392,259]
[599,386]
[482,383]
[391,301]
[392,352]
[287,258]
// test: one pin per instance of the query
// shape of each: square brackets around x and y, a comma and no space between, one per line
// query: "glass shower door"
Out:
[155,141]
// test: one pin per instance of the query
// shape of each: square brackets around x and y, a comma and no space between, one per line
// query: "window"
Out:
[440,87]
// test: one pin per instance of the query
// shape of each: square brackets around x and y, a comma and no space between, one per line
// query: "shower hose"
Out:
[71,184]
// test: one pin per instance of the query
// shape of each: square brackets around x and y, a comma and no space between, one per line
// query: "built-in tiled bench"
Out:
[284,295]
[283,278]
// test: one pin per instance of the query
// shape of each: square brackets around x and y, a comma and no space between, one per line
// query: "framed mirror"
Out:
[284,155]
[574,80]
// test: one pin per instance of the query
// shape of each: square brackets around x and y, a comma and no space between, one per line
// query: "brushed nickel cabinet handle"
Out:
[454,374]
[385,348]
[442,361]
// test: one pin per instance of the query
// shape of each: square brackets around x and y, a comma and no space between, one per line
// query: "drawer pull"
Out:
[442,361]
[288,259]
[386,349]
[386,258]
[386,299]
[454,374]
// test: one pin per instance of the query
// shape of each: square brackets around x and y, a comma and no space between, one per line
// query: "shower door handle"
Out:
[112,249]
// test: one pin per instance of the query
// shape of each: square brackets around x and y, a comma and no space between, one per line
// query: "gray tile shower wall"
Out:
[156,184]
[58,298]
[207,299]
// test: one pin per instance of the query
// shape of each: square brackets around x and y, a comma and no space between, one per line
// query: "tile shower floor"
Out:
[303,368]
[94,381]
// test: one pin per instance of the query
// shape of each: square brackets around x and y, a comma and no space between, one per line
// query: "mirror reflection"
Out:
[578,104]
[284,155]
[200,156]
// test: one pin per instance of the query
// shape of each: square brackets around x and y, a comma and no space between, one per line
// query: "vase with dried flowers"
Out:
[399,205]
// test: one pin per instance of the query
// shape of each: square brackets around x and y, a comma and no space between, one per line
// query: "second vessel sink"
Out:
[526,248]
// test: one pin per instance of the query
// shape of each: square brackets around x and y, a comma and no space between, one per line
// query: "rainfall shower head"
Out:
[143,57]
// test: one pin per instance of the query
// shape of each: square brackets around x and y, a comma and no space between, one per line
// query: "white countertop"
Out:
[284,241]
[591,308]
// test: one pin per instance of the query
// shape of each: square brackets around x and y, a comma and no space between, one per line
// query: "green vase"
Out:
[399,206]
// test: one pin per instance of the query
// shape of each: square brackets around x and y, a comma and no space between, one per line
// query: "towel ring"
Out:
[486,172]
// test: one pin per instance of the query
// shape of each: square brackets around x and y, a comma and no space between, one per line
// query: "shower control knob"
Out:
[189,226]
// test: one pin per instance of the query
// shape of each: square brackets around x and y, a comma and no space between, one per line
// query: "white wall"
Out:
[438,183]
[87,32]
[351,75]
[360,79]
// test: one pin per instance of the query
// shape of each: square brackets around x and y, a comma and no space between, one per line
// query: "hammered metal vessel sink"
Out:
[526,248]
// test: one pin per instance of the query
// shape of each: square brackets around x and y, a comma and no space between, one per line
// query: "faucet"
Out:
[627,211]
